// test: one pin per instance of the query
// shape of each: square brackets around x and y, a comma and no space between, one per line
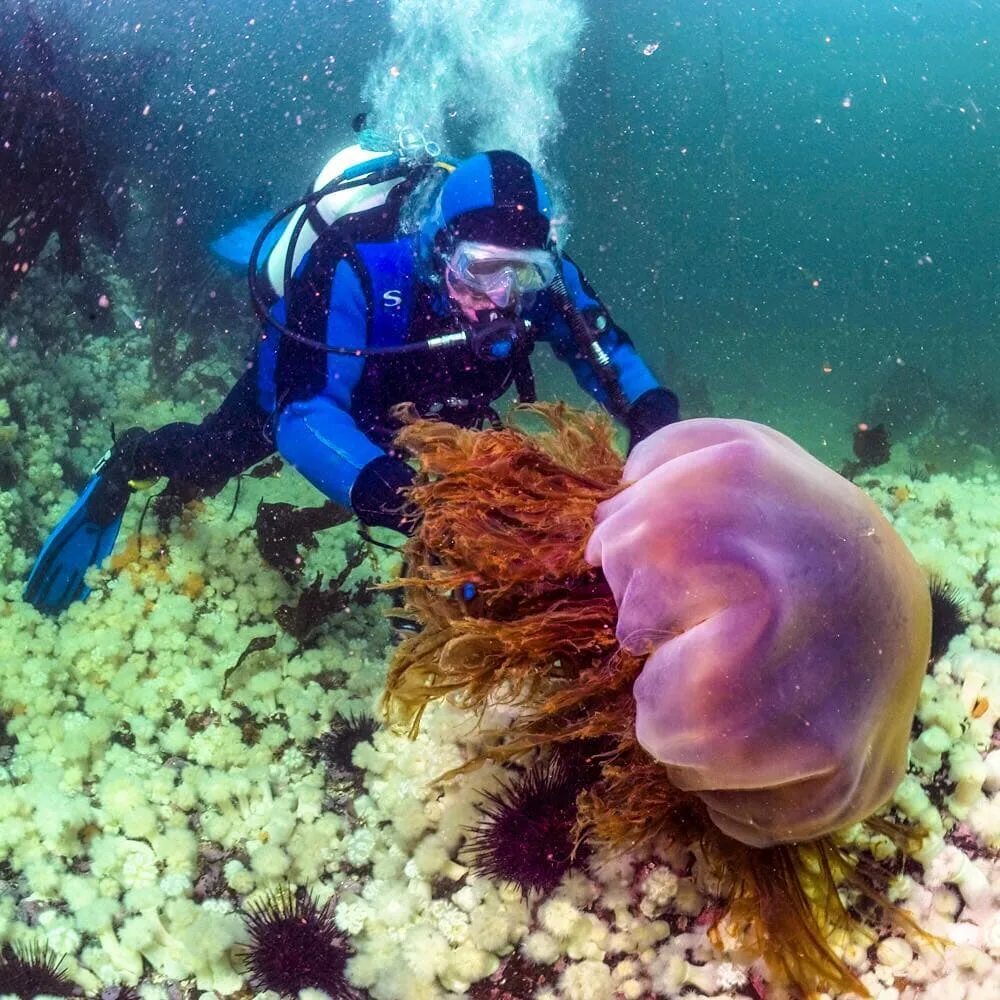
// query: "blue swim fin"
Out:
[87,532]
[235,246]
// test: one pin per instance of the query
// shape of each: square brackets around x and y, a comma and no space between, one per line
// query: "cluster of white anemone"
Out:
[111,839]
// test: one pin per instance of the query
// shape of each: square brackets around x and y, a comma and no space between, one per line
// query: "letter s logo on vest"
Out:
[392,298]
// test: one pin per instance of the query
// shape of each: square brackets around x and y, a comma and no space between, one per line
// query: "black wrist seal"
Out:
[654,409]
[377,496]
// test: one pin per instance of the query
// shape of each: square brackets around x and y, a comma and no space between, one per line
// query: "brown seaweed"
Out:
[282,527]
[270,467]
[317,604]
[256,645]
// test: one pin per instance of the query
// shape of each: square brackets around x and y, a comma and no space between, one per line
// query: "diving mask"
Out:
[501,274]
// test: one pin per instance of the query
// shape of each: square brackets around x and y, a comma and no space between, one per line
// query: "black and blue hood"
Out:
[494,197]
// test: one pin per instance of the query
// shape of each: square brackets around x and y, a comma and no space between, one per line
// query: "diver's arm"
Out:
[650,404]
[316,433]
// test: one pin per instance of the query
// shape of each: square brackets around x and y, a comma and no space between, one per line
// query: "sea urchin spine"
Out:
[949,616]
[295,945]
[526,834]
[31,971]
[336,746]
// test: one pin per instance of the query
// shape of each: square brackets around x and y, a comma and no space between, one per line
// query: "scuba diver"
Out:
[400,277]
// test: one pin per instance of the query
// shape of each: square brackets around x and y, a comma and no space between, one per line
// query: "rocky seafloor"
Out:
[150,787]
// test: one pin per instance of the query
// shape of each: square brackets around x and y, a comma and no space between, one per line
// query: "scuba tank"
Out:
[311,218]
[374,170]
[354,179]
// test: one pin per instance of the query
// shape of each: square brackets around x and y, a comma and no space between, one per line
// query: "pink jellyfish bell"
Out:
[785,624]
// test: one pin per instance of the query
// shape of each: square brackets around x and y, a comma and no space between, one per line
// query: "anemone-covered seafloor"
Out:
[151,790]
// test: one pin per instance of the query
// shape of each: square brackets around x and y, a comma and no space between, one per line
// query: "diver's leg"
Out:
[199,459]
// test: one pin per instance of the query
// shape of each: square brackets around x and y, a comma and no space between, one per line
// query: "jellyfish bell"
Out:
[785,624]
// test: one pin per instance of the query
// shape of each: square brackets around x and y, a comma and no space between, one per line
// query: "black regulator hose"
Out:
[589,346]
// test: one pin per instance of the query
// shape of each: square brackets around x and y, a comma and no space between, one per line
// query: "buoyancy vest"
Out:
[450,383]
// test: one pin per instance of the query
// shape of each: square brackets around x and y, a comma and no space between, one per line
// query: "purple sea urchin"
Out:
[336,746]
[295,945]
[31,971]
[948,616]
[526,834]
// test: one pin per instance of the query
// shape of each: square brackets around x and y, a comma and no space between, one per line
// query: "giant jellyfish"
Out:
[728,636]
[786,628]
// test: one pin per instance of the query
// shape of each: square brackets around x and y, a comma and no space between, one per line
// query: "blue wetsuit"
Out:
[329,414]
[363,287]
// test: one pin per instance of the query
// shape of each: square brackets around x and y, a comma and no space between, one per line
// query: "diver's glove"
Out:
[654,409]
[87,533]
[377,497]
